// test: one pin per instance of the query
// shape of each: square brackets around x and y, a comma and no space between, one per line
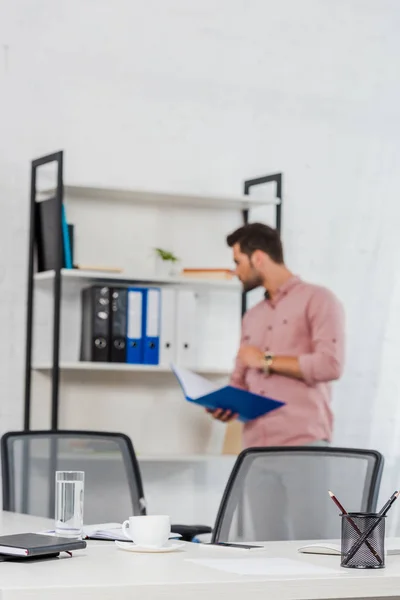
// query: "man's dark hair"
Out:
[256,236]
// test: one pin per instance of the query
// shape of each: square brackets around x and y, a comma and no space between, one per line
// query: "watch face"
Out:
[268,360]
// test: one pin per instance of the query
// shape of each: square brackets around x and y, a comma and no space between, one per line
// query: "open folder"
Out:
[201,391]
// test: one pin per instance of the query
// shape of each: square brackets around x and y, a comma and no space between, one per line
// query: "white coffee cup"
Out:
[149,530]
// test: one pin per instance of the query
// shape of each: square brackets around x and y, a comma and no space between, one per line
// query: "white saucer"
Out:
[131,547]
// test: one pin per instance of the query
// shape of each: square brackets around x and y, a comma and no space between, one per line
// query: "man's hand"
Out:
[222,415]
[251,357]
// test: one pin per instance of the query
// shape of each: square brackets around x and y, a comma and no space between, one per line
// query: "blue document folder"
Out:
[205,393]
[151,326]
[135,325]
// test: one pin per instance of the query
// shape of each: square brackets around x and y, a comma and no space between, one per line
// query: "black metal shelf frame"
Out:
[57,158]
[248,184]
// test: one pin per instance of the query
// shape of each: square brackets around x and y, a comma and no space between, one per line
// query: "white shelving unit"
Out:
[119,228]
[178,445]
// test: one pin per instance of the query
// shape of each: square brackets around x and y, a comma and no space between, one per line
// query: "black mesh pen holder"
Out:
[370,554]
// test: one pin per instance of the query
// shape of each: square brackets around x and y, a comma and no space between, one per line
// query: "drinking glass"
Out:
[69,503]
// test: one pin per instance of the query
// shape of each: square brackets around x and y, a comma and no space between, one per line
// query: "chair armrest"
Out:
[188,532]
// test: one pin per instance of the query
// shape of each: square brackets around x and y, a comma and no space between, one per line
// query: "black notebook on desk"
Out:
[28,545]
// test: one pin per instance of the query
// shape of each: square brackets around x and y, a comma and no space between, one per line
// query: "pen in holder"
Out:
[360,549]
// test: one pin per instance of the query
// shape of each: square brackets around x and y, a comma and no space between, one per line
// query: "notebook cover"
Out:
[248,406]
[46,234]
[36,544]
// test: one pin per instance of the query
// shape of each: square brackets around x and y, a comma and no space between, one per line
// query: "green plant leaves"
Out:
[165,255]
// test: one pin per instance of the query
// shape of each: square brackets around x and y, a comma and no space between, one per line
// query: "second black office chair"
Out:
[282,493]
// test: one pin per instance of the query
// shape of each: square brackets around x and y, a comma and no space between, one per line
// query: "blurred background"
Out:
[198,96]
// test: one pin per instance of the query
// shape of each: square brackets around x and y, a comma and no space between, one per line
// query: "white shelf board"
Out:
[149,458]
[82,456]
[121,367]
[166,199]
[190,458]
[122,278]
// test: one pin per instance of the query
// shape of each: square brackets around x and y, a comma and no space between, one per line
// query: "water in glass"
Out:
[69,503]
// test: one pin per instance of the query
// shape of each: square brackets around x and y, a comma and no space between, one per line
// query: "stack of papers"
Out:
[105,531]
[108,531]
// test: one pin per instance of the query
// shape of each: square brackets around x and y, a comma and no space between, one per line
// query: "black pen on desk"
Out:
[382,513]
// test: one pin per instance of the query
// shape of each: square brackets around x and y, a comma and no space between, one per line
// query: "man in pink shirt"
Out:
[292,345]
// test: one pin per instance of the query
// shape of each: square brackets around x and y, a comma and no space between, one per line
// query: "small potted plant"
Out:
[167,264]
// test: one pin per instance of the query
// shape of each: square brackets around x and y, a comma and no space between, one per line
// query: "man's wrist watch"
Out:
[268,360]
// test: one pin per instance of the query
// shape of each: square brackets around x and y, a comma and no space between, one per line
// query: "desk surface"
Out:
[102,571]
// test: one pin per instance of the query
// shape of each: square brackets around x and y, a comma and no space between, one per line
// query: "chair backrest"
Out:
[282,493]
[113,485]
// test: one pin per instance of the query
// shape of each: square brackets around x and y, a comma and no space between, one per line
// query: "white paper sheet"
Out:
[263,566]
[321,548]
[194,386]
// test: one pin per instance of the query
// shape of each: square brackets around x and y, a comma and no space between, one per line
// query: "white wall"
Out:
[178,95]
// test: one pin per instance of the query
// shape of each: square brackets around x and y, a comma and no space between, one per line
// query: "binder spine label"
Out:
[153,314]
[134,315]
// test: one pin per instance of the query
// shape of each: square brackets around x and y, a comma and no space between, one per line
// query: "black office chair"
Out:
[282,493]
[113,483]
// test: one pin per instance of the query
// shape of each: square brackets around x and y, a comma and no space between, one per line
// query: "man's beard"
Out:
[252,284]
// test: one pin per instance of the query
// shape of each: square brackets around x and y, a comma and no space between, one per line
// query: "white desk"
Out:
[103,572]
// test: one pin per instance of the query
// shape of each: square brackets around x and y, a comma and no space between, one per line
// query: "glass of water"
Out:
[69,503]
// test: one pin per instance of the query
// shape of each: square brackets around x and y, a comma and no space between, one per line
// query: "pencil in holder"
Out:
[370,554]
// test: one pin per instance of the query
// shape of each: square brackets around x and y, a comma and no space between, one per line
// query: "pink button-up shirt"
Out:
[306,321]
